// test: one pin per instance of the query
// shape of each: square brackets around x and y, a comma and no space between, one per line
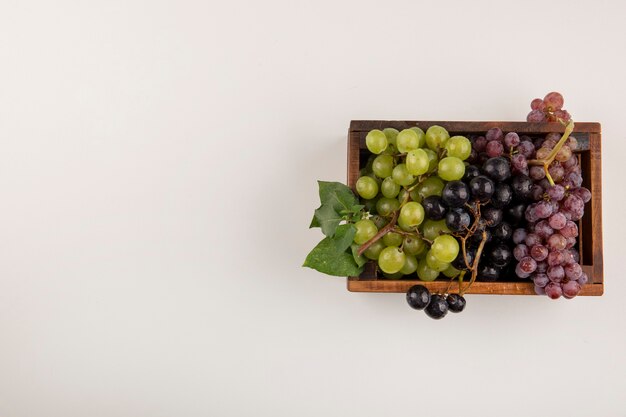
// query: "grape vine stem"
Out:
[569,128]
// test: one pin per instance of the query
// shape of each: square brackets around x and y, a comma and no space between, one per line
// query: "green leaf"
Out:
[314,223]
[327,259]
[357,207]
[337,195]
[359,259]
[337,199]
[328,219]
[344,236]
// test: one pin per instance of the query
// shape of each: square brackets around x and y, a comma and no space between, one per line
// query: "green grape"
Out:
[435,263]
[382,166]
[415,195]
[451,272]
[376,141]
[436,137]
[379,221]
[367,187]
[392,239]
[445,248]
[433,160]
[405,226]
[420,135]
[391,150]
[374,251]
[402,195]
[401,175]
[451,168]
[386,206]
[417,162]
[397,275]
[433,228]
[365,230]
[430,186]
[459,146]
[414,245]
[389,188]
[391,134]
[424,272]
[410,265]
[407,140]
[391,259]
[412,213]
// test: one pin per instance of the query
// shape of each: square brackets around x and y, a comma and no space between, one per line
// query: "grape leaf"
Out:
[327,259]
[337,200]
[344,235]
[314,223]
[359,259]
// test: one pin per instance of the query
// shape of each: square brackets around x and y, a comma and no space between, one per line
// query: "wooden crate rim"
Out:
[476,126]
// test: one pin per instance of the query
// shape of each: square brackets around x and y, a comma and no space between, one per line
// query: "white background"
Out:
[157,178]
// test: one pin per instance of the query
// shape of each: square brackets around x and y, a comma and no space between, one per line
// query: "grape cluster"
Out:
[550,109]
[545,250]
[409,186]
[436,306]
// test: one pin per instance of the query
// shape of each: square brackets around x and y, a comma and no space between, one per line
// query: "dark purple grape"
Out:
[488,272]
[471,172]
[536,192]
[584,278]
[458,220]
[479,144]
[521,185]
[455,194]
[434,207]
[456,303]
[498,169]
[418,297]
[502,232]
[492,216]
[500,255]
[515,213]
[526,148]
[459,261]
[502,196]
[482,188]
[437,308]
[542,267]
[536,173]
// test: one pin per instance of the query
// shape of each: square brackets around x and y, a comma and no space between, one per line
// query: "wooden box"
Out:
[590,227]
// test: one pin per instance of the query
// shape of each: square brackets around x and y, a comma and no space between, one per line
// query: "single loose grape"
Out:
[412,213]
[445,248]
[389,188]
[376,141]
[436,137]
[451,168]
[402,176]
[459,146]
[420,135]
[391,134]
[407,140]
[424,272]
[391,259]
[417,162]
[367,187]
[382,166]
[365,230]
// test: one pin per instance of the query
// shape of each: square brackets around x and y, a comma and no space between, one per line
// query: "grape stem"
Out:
[569,128]
[474,268]
[382,232]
